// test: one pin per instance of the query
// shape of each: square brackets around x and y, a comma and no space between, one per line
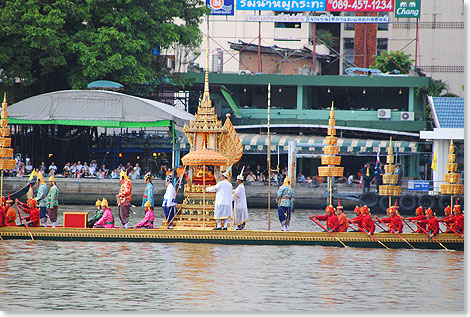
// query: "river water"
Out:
[125,276]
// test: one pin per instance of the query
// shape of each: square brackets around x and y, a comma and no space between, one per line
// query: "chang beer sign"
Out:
[407,8]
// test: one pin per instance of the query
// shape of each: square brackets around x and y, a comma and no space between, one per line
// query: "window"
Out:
[349,26]
[382,26]
[348,53]
[382,45]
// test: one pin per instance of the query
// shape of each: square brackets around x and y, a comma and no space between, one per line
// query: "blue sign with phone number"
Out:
[418,185]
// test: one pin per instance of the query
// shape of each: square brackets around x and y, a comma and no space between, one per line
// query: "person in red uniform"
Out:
[367,223]
[393,220]
[10,213]
[2,216]
[331,218]
[419,220]
[448,219]
[458,220]
[342,219]
[432,224]
[30,208]
[358,219]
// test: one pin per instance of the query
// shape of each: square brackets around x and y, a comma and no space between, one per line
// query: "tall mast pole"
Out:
[269,157]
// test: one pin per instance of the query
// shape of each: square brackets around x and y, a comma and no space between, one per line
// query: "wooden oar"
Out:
[430,236]
[314,220]
[25,223]
[443,222]
[412,230]
[368,235]
[393,231]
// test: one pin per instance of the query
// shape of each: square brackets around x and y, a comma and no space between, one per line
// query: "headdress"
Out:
[148,204]
[104,202]
[365,210]
[420,210]
[169,178]
[52,178]
[286,181]
[98,203]
[240,177]
[429,212]
[123,174]
[226,174]
[330,208]
[32,202]
[148,176]
[40,178]
[9,199]
[357,210]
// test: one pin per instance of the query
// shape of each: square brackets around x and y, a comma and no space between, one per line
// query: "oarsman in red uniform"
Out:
[358,219]
[331,218]
[393,220]
[458,220]
[432,224]
[10,213]
[30,208]
[342,219]
[419,220]
[448,219]
[367,223]
[2,216]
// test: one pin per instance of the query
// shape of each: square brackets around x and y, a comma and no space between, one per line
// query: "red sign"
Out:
[359,5]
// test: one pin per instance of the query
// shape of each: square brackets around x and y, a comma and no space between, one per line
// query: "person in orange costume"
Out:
[394,221]
[30,208]
[367,223]
[342,219]
[10,213]
[432,224]
[448,219]
[458,220]
[419,220]
[2,214]
[358,219]
[332,223]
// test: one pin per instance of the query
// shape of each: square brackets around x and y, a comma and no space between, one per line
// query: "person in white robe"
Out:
[223,201]
[240,206]
[169,201]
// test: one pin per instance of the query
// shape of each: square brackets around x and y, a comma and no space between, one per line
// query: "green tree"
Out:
[394,60]
[60,44]
[435,88]
[324,36]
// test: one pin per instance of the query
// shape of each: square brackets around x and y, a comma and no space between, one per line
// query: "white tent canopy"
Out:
[95,108]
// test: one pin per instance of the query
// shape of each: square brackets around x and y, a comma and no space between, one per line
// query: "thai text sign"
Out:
[407,8]
[281,5]
[359,5]
[324,18]
[220,7]
[418,185]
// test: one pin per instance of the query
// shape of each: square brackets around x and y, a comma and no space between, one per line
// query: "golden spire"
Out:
[4,104]
[206,100]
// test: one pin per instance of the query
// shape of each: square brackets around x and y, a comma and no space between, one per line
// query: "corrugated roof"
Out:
[448,112]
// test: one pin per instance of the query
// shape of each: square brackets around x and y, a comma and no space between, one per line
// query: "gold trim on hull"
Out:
[353,239]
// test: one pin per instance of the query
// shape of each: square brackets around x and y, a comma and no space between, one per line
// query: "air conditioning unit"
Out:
[384,113]
[407,116]
[244,72]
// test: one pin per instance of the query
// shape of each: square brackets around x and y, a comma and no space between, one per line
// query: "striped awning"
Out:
[258,143]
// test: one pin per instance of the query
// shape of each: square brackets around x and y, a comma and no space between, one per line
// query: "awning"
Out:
[95,108]
[258,143]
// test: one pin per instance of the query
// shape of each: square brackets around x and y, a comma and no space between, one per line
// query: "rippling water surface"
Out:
[45,275]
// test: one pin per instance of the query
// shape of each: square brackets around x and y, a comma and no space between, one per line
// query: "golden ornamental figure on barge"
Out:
[214,148]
